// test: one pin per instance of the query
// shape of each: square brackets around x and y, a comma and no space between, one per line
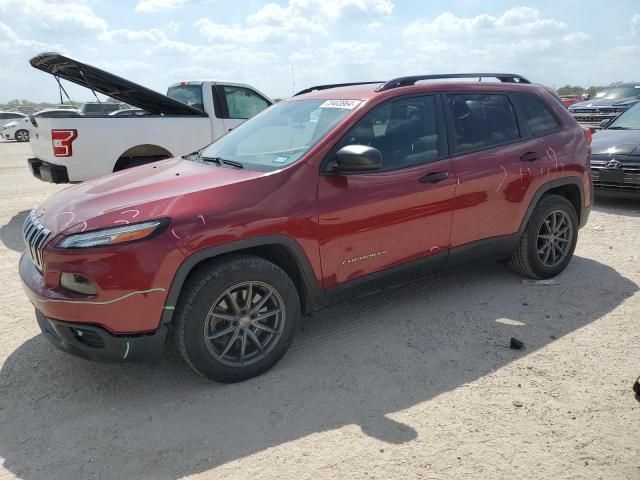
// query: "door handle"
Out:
[434,177]
[529,156]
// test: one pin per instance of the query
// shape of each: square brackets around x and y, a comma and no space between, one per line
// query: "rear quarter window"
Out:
[537,115]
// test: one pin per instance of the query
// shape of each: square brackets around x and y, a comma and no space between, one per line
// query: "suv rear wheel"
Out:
[236,318]
[547,245]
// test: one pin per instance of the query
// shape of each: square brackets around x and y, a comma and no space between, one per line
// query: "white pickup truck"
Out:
[189,117]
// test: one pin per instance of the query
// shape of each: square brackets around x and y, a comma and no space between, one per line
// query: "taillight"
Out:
[62,140]
[588,134]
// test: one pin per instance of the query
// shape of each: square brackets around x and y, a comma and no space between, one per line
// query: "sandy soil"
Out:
[416,382]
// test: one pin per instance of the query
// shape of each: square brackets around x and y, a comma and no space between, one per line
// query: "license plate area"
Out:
[611,176]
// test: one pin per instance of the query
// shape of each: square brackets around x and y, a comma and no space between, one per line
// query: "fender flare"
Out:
[314,295]
[559,182]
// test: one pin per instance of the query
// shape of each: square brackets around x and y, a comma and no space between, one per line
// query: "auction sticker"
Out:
[346,104]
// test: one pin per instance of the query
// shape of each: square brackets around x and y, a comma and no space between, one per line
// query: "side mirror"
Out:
[604,123]
[358,159]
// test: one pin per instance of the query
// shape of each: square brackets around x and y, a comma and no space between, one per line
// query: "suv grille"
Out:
[35,236]
[619,173]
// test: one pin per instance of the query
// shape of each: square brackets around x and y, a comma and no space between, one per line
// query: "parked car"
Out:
[19,129]
[615,156]
[128,112]
[606,105]
[98,109]
[327,195]
[190,116]
[8,117]
[568,100]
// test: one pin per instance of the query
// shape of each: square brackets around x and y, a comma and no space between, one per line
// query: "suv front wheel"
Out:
[236,318]
[547,245]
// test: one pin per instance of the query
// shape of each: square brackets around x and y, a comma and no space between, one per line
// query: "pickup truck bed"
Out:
[192,115]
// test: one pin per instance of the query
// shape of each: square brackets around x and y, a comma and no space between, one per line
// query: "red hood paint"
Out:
[134,195]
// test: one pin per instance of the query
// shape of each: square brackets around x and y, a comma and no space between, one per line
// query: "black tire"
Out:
[22,135]
[202,293]
[526,258]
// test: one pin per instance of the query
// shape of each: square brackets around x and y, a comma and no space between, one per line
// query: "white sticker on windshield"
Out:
[347,104]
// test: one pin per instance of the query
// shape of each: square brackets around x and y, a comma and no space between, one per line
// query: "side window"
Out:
[482,121]
[4,116]
[404,130]
[539,119]
[243,103]
[14,115]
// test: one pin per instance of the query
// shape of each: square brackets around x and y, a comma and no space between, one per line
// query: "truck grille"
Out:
[35,236]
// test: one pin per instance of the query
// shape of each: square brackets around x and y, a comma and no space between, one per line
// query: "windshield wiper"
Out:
[619,128]
[220,161]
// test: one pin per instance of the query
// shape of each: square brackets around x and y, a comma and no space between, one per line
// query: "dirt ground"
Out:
[416,382]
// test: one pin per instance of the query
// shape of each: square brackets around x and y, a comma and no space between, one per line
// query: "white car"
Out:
[189,117]
[9,117]
[17,130]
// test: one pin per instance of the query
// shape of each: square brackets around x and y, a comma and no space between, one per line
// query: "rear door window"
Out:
[538,117]
[482,121]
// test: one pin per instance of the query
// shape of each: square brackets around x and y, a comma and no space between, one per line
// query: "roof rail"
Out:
[332,85]
[410,80]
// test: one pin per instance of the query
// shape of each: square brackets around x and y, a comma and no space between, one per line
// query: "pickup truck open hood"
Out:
[111,85]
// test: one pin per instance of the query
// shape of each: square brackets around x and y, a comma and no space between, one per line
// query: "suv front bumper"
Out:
[48,172]
[94,343]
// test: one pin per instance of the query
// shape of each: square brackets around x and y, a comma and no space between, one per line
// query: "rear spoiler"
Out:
[111,85]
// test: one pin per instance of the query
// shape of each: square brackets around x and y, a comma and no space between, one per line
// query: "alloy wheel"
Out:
[554,238]
[244,324]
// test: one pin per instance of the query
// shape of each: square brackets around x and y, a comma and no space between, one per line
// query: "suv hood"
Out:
[623,142]
[595,103]
[111,85]
[135,195]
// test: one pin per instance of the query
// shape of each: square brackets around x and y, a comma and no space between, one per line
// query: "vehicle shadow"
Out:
[355,363]
[11,232]
[629,207]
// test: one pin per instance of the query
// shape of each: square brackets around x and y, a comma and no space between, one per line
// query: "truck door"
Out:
[237,104]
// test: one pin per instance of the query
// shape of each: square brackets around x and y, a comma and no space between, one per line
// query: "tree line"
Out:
[577,90]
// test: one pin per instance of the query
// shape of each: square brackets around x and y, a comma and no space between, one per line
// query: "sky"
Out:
[286,45]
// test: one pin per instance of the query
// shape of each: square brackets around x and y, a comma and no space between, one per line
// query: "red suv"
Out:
[332,193]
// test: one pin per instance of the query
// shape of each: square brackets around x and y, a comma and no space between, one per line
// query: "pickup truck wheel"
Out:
[236,318]
[547,245]
[22,135]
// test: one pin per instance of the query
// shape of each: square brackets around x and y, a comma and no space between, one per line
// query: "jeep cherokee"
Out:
[332,193]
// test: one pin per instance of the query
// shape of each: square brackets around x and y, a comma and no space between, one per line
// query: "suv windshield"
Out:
[281,134]
[189,94]
[613,93]
[629,120]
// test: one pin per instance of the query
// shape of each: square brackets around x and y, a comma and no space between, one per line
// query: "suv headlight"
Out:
[114,236]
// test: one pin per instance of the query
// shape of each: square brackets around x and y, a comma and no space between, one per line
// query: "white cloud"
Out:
[155,5]
[635,24]
[298,20]
[374,26]
[54,14]
[520,21]
[9,39]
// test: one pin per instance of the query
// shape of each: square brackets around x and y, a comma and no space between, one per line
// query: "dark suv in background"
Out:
[335,192]
[606,105]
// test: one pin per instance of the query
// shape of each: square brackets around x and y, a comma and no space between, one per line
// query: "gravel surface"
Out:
[416,382]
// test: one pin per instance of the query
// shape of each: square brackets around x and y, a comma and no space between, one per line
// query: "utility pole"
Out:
[293,81]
